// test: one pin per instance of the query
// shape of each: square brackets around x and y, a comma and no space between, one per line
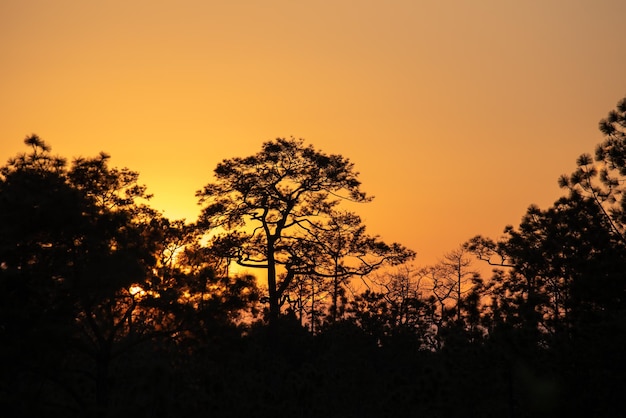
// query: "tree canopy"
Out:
[108,308]
[275,207]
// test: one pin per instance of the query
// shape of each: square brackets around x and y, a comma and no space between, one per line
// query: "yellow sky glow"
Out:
[457,114]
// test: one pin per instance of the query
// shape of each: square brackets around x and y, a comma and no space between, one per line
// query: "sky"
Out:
[458,114]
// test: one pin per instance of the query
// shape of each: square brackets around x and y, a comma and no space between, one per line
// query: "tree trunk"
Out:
[102,381]
[333,306]
[271,284]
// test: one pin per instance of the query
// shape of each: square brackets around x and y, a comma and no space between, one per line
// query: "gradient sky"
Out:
[458,114]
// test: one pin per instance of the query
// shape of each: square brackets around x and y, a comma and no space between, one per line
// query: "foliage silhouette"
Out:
[107,308]
[86,284]
[274,205]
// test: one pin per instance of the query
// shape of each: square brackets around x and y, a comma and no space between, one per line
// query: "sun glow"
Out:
[137,291]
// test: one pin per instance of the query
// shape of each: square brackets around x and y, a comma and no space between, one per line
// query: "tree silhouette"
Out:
[40,217]
[336,250]
[604,183]
[272,205]
[396,309]
[554,308]
[73,243]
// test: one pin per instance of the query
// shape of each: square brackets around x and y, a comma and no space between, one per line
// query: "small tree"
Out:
[338,249]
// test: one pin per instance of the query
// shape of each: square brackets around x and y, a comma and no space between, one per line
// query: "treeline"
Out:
[108,308]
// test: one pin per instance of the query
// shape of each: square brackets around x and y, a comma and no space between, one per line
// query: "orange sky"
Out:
[458,114]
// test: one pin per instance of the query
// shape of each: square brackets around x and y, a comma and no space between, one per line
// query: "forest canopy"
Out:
[108,308]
